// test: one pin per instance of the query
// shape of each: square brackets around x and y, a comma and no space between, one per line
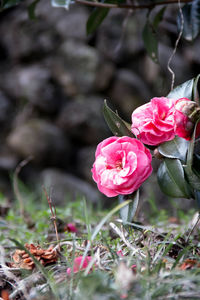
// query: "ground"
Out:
[155,258]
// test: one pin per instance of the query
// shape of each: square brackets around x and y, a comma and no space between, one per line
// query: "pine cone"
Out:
[24,261]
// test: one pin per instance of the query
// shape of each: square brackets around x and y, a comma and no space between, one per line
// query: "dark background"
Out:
[53,80]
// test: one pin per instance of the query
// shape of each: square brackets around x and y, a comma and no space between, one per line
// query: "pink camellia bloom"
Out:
[122,164]
[153,122]
[77,264]
[183,125]
[71,227]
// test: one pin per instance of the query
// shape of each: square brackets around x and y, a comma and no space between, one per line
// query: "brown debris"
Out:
[189,264]
[24,261]
[174,220]
[5,295]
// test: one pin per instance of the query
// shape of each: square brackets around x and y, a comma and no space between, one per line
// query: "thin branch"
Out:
[130,6]
[176,45]
[16,186]
[53,215]
[193,227]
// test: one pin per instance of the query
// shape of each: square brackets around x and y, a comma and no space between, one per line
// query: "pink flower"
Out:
[71,227]
[77,264]
[120,253]
[153,122]
[121,165]
[183,125]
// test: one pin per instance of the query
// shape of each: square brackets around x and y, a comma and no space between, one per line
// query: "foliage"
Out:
[190,14]
[163,263]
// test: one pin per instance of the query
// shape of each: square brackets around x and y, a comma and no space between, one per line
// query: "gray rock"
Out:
[8,159]
[83,120]
[85,160]
[64,77]
[35,39]
[128,91]
[104,75]
[178,63]
[191,52]
[109,41]
[6,108]
[42,140]
[132,43]
[82,62]
[66,187]
[34,84]
[67,23]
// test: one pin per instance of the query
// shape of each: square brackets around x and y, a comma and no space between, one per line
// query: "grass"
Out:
[154,263]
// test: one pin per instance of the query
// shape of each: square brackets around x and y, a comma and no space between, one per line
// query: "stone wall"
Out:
[53,80]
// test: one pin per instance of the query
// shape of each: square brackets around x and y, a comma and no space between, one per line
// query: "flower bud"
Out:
[186,114]
[188,108]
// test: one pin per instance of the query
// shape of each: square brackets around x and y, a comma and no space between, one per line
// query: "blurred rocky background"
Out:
[54,79]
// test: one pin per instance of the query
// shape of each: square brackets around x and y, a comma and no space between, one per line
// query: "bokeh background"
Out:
[53,81]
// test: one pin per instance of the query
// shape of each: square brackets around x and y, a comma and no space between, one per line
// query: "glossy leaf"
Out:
[158,17]
[171,179]
[177,148]
[192,177]
[150,41]
[127,213]
[96,18]
[184,90]
[195,93]
[118,126]
[191,15]
[197,198]
[196,164]
[31,9]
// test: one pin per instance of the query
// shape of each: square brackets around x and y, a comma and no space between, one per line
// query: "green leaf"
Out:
[193,179]
[158,17]
[96,18]
[197,198]
[9,3]
[177,148]
[150,41]
[195,93]
[191,15]
[118,126]
[127,213]
[171,179]
[31,10]
[182,91]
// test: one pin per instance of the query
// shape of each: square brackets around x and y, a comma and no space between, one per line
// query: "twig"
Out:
[124,26]
[69,244]
[16,186]
[130,6]
[193,227]
[128,244]
[53,215]
[176,45]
